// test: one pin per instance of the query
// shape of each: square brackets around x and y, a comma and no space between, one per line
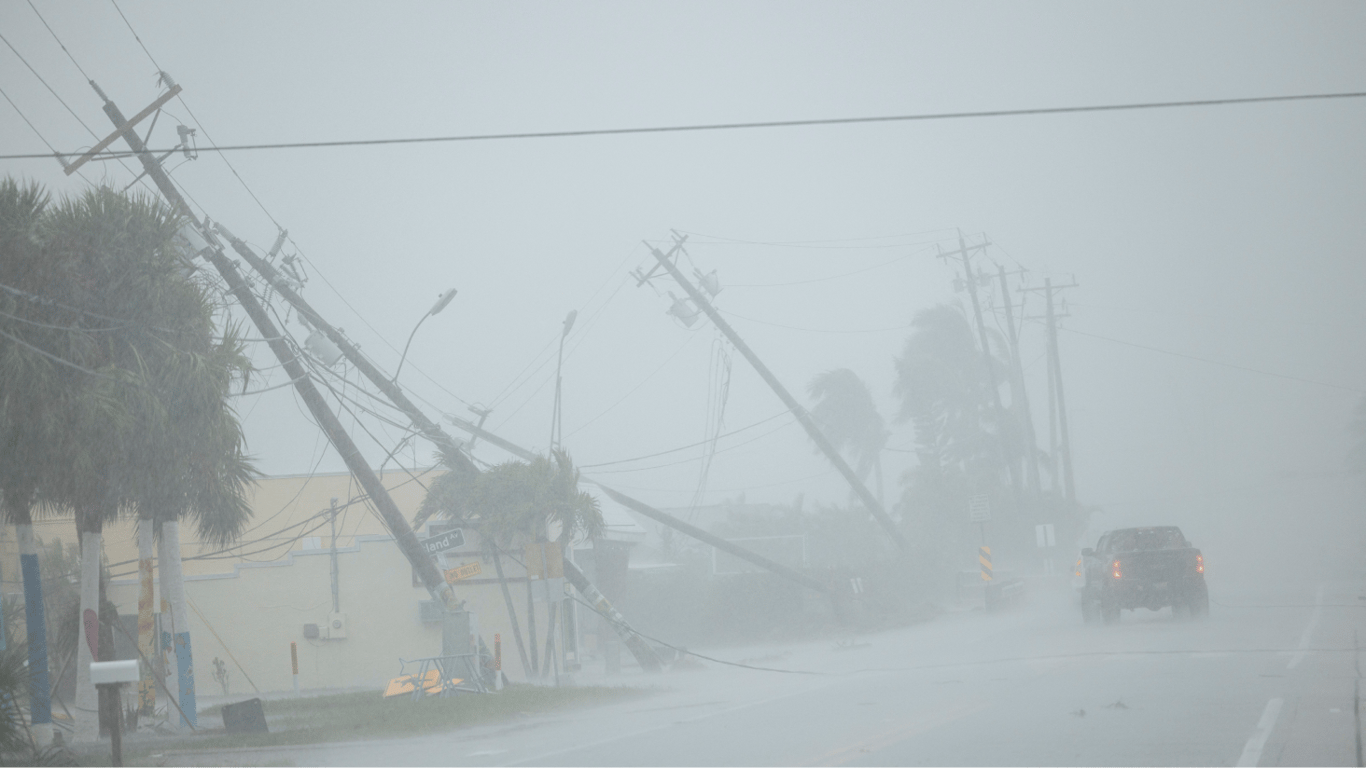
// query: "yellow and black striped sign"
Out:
[984,557]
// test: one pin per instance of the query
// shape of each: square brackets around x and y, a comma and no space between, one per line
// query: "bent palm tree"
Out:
[850,420]
[513,504]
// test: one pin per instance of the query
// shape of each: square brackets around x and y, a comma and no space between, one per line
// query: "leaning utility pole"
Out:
[796,408]
[1019,395]
[317,406]
[971,279]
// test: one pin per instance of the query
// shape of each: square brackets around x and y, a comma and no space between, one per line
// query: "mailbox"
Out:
[104,672]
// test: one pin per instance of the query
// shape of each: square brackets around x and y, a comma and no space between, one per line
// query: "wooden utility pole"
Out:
[317,406]
[1055,368]
[971,279]
[1019,394]
[796,408]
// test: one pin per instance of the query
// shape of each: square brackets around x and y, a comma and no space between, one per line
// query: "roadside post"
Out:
[497,662]
[979,512]
[110,676]
[294,661]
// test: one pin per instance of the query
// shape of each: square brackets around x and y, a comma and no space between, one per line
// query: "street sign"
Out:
[1045,536]
[443,541]
[463,572]
[979,508]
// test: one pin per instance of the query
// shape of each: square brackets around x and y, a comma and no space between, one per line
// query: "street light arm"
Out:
[409,344]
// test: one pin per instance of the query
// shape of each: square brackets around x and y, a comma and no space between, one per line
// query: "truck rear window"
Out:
[1143,539]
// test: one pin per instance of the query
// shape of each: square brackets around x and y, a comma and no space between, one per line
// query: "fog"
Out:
[1211,347]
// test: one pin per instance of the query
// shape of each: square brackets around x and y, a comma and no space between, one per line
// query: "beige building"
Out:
[275,586]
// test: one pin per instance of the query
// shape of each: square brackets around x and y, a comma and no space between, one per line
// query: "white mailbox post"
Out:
[110,675]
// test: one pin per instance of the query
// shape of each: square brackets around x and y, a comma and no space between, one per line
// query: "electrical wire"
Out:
[1356,390]
[815,330]
[685,447]
[634,389]
[709,127]
[699,458]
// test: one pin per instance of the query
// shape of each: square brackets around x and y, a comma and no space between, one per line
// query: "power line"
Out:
[816,330]
[766,124]
[59,42]
[684,447]
[1216,362]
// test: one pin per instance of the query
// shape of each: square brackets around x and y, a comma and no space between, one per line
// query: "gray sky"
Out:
[1232,234]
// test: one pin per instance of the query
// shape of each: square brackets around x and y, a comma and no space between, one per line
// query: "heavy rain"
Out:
[682,383]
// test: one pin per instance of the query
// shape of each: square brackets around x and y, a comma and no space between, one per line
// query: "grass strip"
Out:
[366,715]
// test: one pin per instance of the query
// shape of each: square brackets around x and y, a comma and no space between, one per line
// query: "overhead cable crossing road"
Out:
[746,125]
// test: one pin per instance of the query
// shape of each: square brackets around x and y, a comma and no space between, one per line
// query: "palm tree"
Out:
[514,504]
[850,420]
[961,445]
[137,418]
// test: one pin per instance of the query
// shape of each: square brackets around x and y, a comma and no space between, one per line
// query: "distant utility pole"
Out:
[1019,394]
[796,408]
[317,406]
[1057,405]
[336,571]
[964,251]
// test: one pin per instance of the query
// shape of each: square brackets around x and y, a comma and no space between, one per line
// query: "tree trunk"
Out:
[165,640]
[87,728]
[548,662]
[180,620]
[512,612]
[35,623]
[147,689]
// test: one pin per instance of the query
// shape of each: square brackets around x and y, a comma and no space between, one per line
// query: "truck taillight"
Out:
[1115,569]
[1199,563]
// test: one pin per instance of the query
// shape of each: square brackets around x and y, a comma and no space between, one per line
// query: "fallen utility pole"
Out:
[317,406]
[804,418]
[659,516]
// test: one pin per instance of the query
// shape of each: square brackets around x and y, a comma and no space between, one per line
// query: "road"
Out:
[1268,679]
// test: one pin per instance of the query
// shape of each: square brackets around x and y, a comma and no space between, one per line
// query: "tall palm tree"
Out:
[850,420]
[513,504]
[167,442]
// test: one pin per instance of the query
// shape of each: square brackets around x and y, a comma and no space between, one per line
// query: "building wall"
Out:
[254,613]
[257,596]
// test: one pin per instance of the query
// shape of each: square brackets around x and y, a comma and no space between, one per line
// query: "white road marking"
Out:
[1308,635]
[1252,750]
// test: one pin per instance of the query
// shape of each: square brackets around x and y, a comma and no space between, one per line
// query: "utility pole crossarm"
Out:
[804,418]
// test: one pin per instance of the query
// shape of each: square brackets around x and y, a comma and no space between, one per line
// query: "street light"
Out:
[441,302]
[556,431]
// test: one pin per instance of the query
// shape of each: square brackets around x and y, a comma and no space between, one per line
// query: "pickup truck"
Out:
[1132,568]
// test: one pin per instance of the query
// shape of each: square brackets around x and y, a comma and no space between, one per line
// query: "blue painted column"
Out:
[35,622]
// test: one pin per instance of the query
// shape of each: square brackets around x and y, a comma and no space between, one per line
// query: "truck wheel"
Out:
[1109,611]
[1199,602]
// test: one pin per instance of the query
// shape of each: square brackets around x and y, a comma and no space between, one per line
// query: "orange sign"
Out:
[463,572]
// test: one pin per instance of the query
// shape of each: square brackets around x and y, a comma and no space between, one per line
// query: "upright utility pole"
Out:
[336,571]
[796,408]
[317,406]
[1019,396]
[1055,366]
[970,278]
